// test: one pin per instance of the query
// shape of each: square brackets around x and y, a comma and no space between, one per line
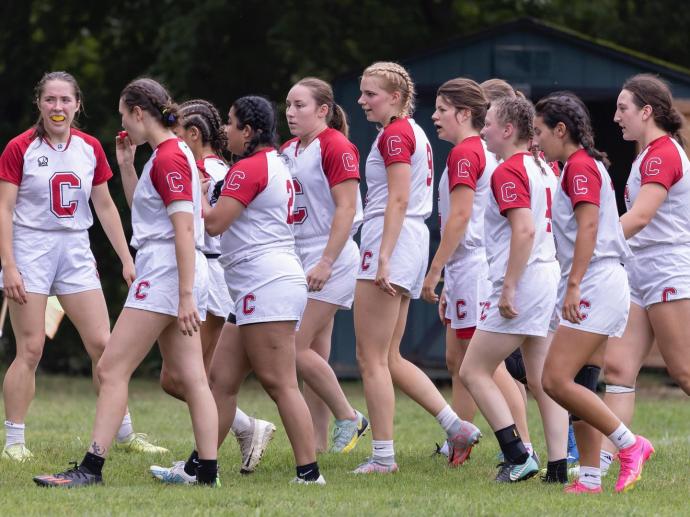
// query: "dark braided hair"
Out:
[519,112]
[204,116]
[648,89]
[259,114]
[567,108]
[39,129]
[151,96]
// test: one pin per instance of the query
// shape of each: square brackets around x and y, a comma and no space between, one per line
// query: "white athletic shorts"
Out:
[157,286]
[410,255]
[535,299]
[340,287]
[659,274]
[605,299]
[268,287]
[219,301]
[467,282]
[54,261]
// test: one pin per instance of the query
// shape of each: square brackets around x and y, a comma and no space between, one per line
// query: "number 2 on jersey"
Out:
[548,210]
[291,200]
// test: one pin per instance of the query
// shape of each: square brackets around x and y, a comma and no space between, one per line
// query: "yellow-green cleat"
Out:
[137,442]
[16,452]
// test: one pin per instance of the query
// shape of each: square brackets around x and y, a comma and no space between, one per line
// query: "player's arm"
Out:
[124,151]
[219,217]
[399,178]
[587,217]
[461,200]
[521,242]
[12,280]
[344,196]
[110,220]
[183,224]
[648,201]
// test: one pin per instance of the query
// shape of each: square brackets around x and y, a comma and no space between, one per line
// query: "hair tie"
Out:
[169,117]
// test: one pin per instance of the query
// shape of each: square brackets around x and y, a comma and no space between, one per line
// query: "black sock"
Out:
[206,472]
[511,445]
[191,464]
[556,471]
[93,463]
[308,472]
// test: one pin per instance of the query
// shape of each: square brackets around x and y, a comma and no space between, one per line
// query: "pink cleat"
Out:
[632,459]
[578,488]
[460,445]
[374,467]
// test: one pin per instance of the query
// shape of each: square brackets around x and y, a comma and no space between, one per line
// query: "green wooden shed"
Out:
[537,58]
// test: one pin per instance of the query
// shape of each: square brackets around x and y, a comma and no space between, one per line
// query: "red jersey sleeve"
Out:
[339,158]
[662,164]
[582,182]
[286,145]
[510,187]
[465,167]
[397,143]
[246,179]
[171,175]
[12,159]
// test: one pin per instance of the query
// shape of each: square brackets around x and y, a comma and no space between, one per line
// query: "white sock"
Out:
[14,433]
[605,460]
[528,446]
[449,420]
[590,477]
[126,428]
[383,452]
[444,449]
[242,422]
[622,437]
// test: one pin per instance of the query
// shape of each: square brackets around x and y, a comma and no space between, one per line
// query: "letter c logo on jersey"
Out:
[459,312]
[366,259]
[349,162]
[580,185]
[584,305]
[392,144]
[651,166]
[141,292]
[231,181]
[508,192]
[248,304]
[464,168]
[174,180]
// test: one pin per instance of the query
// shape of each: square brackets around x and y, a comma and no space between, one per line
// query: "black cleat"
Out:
[77,476]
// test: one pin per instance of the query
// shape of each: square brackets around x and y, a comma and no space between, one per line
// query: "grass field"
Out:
[61,416]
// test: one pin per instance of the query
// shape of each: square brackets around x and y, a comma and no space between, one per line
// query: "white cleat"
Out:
[300,481]
[253,443]
[174,475]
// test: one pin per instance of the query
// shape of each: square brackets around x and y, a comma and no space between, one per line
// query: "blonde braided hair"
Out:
[395,79]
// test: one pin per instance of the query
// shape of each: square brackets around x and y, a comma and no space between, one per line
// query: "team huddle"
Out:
[241,266]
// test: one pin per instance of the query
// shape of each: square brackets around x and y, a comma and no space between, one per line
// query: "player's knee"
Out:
[369,362]
[552,384]
[168,382]
[467,375]
[619,373]
[681,374]
[30,354]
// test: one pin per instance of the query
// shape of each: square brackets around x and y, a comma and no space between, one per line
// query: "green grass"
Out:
[61,416]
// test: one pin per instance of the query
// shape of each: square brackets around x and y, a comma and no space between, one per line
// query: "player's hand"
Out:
[129,272]
[14,285]
[188,318]
[571,305]
[124,150]
[429,286]
[205,185]
[319,274]
[382,280]
[442,304]
[506,305]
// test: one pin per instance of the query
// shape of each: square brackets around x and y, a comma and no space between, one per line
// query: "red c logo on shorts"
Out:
[667,293]
[584,304]
[485,307]
[459,304]
[366,258]
[141,291]
[247,304]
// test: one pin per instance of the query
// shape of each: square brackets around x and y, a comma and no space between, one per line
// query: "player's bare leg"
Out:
[320,413]
[463,403]
[669,321]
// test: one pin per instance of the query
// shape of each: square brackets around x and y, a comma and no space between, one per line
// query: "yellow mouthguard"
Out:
[57,118]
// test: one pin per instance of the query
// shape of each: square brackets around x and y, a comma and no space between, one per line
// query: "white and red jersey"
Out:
[401,141]
[469,163]
[586,180]
[327,161]
[262,183]
[664,162]
[518,182]
[54,181]
[169,175]
[214,169]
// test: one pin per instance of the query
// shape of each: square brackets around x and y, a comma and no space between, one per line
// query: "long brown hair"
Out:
[151,96]
[462,93]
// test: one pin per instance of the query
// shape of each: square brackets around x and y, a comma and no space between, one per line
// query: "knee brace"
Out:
[588,376]
[618,389]
[516,366]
